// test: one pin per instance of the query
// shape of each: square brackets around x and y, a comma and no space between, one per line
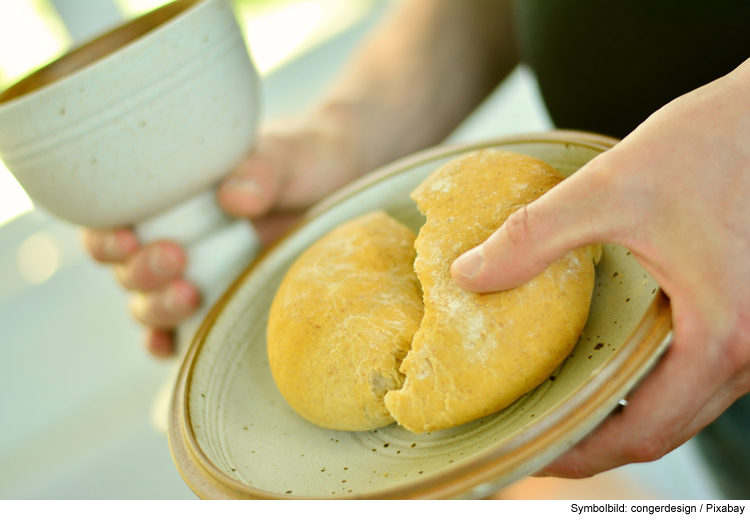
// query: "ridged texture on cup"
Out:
[141,129]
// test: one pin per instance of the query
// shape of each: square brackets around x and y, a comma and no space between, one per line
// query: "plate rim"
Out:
[566,423]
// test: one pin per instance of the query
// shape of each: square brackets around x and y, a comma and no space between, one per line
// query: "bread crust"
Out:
[351,307]
[342,321]
[474,353]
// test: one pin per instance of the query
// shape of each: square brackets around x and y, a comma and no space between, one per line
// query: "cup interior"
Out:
[95,49]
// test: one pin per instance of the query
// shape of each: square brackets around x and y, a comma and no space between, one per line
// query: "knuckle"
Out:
[579,471]
[165,308]
[648,448]
[95,244]
[109,246]
[517,226]
[147,310]
[124,276]
[140,308]
[616,198]
[144,271]
[738,353]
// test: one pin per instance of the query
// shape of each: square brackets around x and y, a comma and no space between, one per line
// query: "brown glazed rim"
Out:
[563,423]
[96,49]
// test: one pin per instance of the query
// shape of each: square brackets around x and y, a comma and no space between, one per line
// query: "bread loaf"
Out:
[476,353]
[342,321]
[354,344]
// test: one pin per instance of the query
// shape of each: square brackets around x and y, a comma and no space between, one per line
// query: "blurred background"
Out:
[76,385]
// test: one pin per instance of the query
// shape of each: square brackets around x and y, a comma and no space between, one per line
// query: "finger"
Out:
[254,187]
[271,228]
[582,210]
[154,266]
[110,246]
[166,308]
[666,410]
[160,342]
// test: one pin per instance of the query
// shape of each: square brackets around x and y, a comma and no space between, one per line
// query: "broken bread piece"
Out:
[342,321]
[351,307]
[475,353]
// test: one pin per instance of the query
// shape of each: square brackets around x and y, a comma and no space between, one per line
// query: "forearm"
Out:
[429,64]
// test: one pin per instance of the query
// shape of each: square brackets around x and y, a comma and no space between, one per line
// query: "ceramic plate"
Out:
[232,434]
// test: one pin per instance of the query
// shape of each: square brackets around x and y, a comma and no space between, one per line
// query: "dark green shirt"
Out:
[606,65]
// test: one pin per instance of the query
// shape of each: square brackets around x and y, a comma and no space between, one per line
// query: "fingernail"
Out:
[164,263]
[138,305]
[469,263]
[243,185]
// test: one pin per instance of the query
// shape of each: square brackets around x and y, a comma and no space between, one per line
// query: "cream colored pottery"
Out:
[232,434]
[137,126]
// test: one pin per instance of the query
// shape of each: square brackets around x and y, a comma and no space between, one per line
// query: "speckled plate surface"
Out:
[232,434]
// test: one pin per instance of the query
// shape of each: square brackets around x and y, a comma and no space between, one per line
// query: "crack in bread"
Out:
[356,339]
[342,321]
[485,350]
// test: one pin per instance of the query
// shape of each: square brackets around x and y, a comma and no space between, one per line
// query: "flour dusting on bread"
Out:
[342,322]
[357,339]
[474,354]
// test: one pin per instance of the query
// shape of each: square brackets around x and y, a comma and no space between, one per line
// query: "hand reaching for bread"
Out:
[675,192]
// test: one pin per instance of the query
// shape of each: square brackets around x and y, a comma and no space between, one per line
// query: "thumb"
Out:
[575,213]
[254,187]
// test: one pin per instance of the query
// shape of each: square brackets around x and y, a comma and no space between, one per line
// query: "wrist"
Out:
[350,125]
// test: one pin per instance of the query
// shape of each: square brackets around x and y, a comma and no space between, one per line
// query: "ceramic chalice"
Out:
[136,127]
